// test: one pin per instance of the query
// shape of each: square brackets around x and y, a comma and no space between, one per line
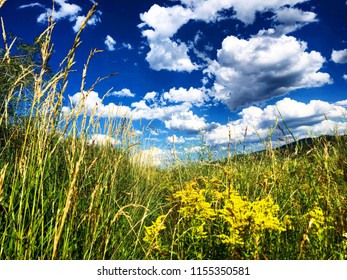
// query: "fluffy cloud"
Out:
[192,95]
[65,10]
[341,103]
[294,15]
[154,111]
[160,24]
[175,117]
[245,11]
[317,117]
[164,21]
[110,43]
[292,19]
[166,54]
[150,95]
[339,56]
[186,121]
[123,93]
[93,104]
[263,67]
[345,76]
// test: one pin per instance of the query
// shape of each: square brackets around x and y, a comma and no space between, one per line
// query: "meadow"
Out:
[65,197]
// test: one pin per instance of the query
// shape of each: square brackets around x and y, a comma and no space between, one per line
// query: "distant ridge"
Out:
[306,144]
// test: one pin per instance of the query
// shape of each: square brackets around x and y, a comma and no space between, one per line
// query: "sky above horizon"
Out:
[218,70]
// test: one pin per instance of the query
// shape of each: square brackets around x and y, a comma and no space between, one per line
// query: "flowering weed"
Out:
[211,216]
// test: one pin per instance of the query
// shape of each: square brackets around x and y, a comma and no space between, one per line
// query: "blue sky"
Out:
[204,69]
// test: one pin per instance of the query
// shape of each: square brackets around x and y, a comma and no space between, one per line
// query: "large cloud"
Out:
[93,104]
[312,119]
[245,11]
[164,23]
[160,24]
[192,95]
[169,55]
[185,121]
[263,67]
[175,117]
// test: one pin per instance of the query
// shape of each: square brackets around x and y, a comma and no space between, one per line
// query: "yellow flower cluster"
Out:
[208,211]
[253,217]
[317,222]
[203,201]
[153,231]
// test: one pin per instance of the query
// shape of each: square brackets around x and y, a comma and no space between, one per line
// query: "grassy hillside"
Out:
[64,197]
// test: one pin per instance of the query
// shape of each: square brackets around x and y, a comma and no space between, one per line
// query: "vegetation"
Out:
[63,197]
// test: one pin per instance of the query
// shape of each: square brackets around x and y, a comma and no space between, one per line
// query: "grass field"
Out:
[63,197]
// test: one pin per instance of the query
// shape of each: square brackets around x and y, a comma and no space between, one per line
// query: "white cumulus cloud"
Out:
[65,11]
[176,117]
[303,119]
[339,56]
[123,93]
[263,67]
[245,11]
[150,96]
[166,54]
[163,23]
[185,121]
[192,95]
[93,104]
[292,19]
[160,24]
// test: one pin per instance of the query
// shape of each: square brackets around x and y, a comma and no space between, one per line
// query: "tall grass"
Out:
[64,197]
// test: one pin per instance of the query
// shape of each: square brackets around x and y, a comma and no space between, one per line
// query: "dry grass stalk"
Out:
[2,179]
[2,2]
